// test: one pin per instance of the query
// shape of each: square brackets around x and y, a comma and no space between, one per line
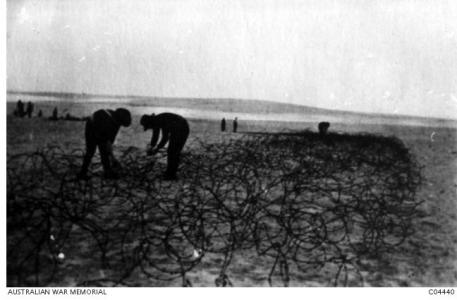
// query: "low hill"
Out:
[233,105]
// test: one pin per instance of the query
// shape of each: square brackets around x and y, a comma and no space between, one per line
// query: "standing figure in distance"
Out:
[20,109]
[235,124]
[54,116]
[174,129]
[323,128]
[29,109]
[101,130]
[223,125]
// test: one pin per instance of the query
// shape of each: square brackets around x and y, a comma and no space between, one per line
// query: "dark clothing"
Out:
[101,130]
[20,109]
[177,142]
[235,125]
[174,129]
[323,128]
[29,109]
[54,116]
[223,125]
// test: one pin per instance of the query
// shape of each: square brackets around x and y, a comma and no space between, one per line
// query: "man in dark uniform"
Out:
[174,129]
[223,125]
[235,125]
[29,109]
[54,116]
[101,130]
[323,128]
[20,109]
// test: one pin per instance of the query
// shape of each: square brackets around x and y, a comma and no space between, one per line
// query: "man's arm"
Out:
[165,134]
[155,136]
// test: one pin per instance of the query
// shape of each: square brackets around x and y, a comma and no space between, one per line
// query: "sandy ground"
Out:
[428,259]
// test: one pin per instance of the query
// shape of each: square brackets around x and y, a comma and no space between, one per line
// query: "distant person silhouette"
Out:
[20,109]
[101,130]
[54,116]
[223,124]
[323,128]
[175,129]
[29,109]
[235,124]
[40,113]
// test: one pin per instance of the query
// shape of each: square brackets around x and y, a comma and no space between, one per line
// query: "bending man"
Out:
[174,129]
[101,130]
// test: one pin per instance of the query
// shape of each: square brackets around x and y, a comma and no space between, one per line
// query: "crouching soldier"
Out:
[101,130]
[175,129]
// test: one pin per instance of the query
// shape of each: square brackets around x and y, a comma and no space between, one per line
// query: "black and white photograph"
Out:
[231,143]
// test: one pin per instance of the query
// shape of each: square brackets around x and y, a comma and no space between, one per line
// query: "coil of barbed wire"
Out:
[296,201]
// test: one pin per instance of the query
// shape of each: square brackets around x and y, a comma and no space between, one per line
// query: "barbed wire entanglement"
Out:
[297,203]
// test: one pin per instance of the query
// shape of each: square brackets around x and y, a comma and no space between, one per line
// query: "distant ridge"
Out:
[221,104]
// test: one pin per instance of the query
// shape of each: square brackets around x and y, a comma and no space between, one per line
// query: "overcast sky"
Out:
[372,56]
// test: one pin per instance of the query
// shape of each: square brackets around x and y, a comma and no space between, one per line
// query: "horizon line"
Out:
[102,95]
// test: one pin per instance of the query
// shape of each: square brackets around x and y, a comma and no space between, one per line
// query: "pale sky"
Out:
[371,56]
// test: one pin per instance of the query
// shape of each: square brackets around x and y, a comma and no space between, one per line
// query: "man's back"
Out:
[170,122]
[103,125]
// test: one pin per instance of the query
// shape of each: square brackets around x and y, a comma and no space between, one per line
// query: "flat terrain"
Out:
[427,258]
